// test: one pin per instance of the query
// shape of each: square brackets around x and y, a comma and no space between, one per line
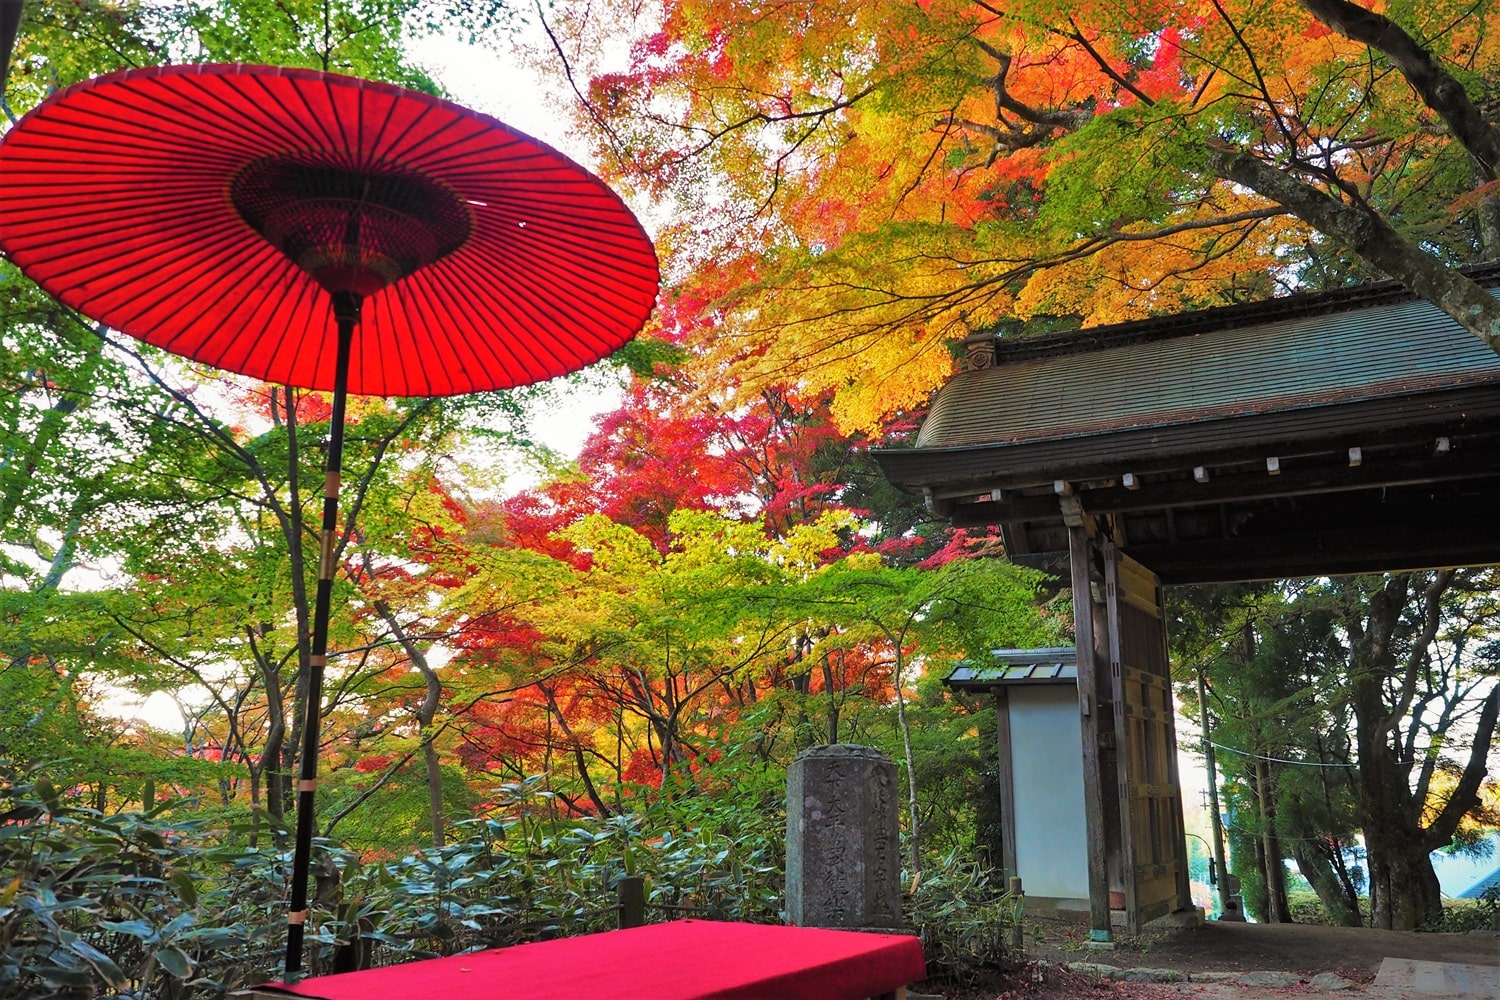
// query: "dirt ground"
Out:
[1355,953]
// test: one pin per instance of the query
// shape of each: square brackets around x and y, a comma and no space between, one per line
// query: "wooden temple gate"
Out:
[1154,840]
[1355,431]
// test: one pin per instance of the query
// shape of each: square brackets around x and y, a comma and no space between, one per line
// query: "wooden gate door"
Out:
[1153,840]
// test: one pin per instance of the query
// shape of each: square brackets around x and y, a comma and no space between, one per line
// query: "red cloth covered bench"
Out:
[682,960]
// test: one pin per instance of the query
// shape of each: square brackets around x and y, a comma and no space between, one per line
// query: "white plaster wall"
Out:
[1047,761]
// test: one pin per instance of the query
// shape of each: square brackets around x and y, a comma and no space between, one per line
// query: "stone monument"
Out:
[843,852]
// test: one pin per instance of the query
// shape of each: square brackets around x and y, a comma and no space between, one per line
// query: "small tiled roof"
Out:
[1051,665]
[1490,883]
[1302,362]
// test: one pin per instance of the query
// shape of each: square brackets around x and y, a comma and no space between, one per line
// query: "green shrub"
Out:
[965,917]
[1482,914]
[137,905]
[1305,906]
[130,903]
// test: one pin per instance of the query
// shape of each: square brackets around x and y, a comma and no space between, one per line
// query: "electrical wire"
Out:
[1298,763]
[1277,760]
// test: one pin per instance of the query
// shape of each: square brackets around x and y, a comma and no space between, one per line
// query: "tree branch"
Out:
[1372,238]
[1466,795]
[1439,90]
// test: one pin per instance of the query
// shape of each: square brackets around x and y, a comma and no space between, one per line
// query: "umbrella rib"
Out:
[193,322]
[476,361]
[295,133]
[500,258]
[386,309]
[264,315]
[525,316]
[208,130]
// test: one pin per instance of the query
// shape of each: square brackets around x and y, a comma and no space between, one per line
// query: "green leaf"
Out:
[175,961]
[131,928]
[102,963]
[185,887]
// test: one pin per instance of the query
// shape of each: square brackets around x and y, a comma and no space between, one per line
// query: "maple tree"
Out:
[858,185]
[965,607]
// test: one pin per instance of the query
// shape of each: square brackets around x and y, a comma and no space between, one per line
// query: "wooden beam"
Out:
[1461,542]
[1414,420]
[1328,478]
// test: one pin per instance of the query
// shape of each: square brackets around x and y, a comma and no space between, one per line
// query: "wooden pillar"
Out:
[1006,778]
[631,893]
[1130,851]
[1092,669]
[1174,773]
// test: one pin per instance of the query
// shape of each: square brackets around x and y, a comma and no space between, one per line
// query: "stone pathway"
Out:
[1398,979]
[1440,978]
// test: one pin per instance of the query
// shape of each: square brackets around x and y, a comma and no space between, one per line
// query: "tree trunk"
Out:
[1316,863]
[913,830]
[1369,235]
[275,761]
[434,771]
[255,807]
[1487,225]
[833,700]
[1257,903]
[1438,88]
[426,713]
[1346,878]
[1403,886]
[575,745]
[1277,909]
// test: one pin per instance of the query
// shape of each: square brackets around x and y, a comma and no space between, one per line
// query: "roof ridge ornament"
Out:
[979,351]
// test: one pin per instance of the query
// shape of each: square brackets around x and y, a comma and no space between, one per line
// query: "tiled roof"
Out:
[1052,665]
[1304,362]
[1490,883]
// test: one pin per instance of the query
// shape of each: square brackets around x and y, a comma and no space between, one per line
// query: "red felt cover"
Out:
[683,960]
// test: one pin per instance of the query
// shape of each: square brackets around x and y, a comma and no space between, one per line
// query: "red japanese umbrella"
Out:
[323,232]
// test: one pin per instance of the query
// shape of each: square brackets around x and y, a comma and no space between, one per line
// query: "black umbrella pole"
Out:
[346,312]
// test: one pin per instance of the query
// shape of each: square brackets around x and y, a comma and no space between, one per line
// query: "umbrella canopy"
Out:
[206,210]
